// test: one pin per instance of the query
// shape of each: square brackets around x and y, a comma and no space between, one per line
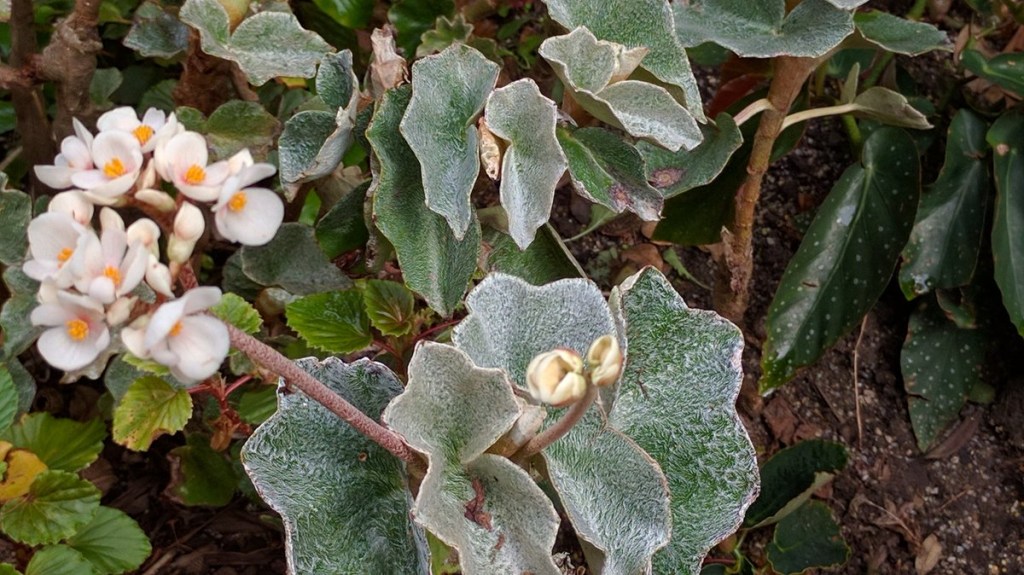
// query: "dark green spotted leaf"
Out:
[846,258]
[944,244]
[1006,70]
[791,476]
[607,170]
[808,538]
[294,261]
[1006,136]
[343,498]
[335,321]
[56,506]
[8,399]
[899,35]
[435,264]
[941,363]
[24,383]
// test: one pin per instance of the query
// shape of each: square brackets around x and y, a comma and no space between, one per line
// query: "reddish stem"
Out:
[435,329]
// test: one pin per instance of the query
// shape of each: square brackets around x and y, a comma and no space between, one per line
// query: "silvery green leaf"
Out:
[533,162]
[899,35]
[448,92]
[435,264]
[847,4]
[484,506]
[673,173]
[889,107]
[763,29]
[156,33]
[637,23]
[15,213]
[677,400]
[265,45]
[595,71]
[343,498]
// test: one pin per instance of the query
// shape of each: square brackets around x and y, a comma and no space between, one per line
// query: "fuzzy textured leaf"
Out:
[343,227]
[610,172]
[941,363]
[113,542]
[156,33]
[846,257]
[19,333]
[677,400]
[806,539]
[435,264]
[596,70]
[57,505]
[335,322]
[484,506]
[265,45]
[238,124]
[342,497]
[763,29]
[15,213]
[899,35]
[546,260]
[533,162]
[1006,136]
[8,399]
[294,261]
[673,173]
[790,476]
[448,92]
[24,383]
[63,444]
[637,23]
[946,240]
[150,408]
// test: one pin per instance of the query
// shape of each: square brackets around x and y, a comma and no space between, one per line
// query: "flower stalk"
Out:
[570,418]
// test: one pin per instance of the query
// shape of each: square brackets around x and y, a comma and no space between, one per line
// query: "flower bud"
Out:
[158,276]
[111,220]
[145,231]
[75,204]
[556,377]
[604,361]
[119,311]
[188,227]
[159,200]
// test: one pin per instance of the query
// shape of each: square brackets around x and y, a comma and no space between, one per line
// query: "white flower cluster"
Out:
[87,278]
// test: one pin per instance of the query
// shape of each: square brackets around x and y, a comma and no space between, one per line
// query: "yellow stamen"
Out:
[114,168]
[176,329]
[195,175]
[237,202]
[78,329]
[114,274]
[143,133]
[64,255]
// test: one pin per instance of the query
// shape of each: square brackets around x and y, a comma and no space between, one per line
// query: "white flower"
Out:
[75,204]
[117,158]
[604,361]
[54,240]
[189,225]
[183,162]
[155,124]
[75,156]
[191,344]
[109,267]
[158,276]
[77,333]
[249,216]
[556,377]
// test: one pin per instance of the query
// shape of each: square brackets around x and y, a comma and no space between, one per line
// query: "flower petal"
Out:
[201,346]
[162,322]
[256,223]
[63,352]
[200,298]
[124,119]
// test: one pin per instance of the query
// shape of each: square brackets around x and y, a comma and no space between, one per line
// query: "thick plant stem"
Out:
[29,107]
[735,262]
[270,359]
[70,61]
[558,429]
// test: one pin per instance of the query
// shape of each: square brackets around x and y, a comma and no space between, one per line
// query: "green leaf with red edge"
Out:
[151,407]
[944,244]
[335,321]
[846,258]
[1006,136]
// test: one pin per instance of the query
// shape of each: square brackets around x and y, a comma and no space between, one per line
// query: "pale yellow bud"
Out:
[159,200]
[604,361]
[556,377]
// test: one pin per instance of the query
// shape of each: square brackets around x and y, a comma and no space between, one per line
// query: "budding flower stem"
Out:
[552,434]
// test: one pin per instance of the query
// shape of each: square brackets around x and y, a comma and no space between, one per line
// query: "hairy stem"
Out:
[557,429]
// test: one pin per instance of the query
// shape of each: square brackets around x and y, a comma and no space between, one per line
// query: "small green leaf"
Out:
[445,33]
[348,13]
[888,107]
[389,305]
[595,72]
[637,23]
[791,476]
[412,18]
[8,569]
[236,311]
[941,363]
[484,506]
[294,261]
[676,172]
[59,560]
[156,33]
[256,405]
[150,408]
[546,260]
[343,227]
[610,172]
[808,538]
[265,45]
[62,444]
[846,257]
[944,244]
[1006,136]
[448,92]
[343,498]
[764,29]
[200,475]
[335,322]
[57,505]
[1002,69]
[112,542]
[15,213]
[533,162]
[239,124]
[899,35]
[8,400]
[435,264]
